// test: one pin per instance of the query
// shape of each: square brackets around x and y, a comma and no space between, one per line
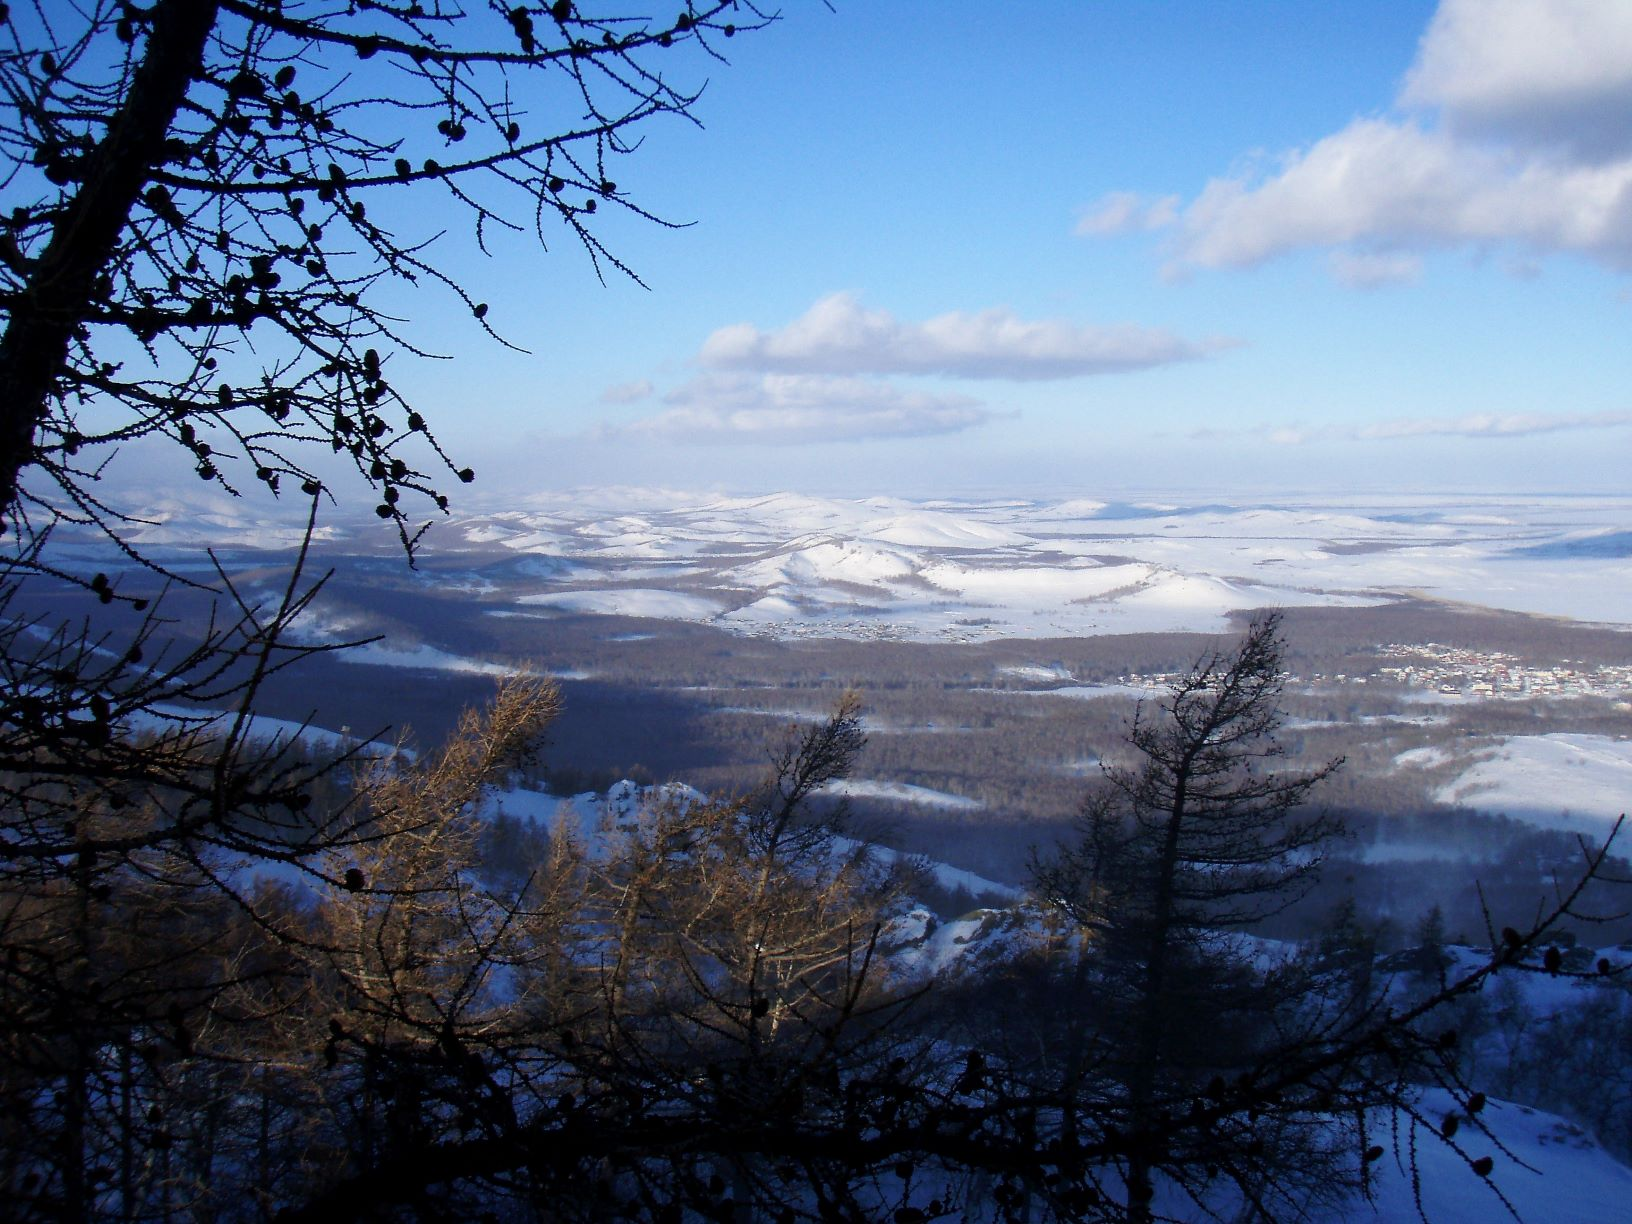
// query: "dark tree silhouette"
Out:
[200,220]
[1201,836]
[209,209]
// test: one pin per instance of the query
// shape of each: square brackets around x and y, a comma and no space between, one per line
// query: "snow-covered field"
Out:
[1548,1168]
[793,565]
[796,566]
[1564,780]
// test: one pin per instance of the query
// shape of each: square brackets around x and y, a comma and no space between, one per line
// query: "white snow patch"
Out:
[902,792]
[929,529]
[1093,692]
[947,876]
[425,658]
[1422,758]
[827,561]
[1024,671]
[1563,780]
[1569,1178]
[1016,585]
[630,601]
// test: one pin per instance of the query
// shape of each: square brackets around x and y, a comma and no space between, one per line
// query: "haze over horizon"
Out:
[1103,248]
[1163,250]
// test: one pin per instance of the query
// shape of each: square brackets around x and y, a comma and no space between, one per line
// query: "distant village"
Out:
[1491,673]
[1454,671]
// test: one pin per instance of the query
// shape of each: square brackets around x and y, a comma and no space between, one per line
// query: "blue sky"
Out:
[1039,249]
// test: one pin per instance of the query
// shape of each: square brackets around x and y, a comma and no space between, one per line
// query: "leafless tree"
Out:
[202,244]
[649,1024]
[140,802]
[203,219]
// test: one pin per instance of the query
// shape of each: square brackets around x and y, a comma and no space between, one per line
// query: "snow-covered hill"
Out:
[1549,1169]
[796,565]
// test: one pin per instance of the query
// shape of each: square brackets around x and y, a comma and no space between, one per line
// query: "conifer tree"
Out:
[1203,835]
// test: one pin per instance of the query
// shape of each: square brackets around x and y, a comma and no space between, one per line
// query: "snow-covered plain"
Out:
[903,792]
[1548,1168]
[793,565]
[1563,780]
[789,565]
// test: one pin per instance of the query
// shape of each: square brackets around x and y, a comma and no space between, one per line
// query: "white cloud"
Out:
[1378,181]
[1288,436]
[1494,425]
[1471,425]
[839,336]
[1275,435]
[1553,75]
[1119,212]
[1514,127]
[629,392]
[781,409]
[1371,269]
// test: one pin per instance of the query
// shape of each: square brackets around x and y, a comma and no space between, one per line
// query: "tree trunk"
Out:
[1148,1059]
[61,286]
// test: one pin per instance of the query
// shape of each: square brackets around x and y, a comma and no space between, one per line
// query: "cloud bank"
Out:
[838,336]
[629,392]
[1495,425]
[825,376]
[786,409]
[1513,126]
[1470,425]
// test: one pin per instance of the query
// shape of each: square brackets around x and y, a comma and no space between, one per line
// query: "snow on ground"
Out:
[636,601]
[946,876]
[969,571]
[1525,775]
[951,570]
[1093,692]
[933,529]
[588,815]
[921,946]
[1016,586]
[262,728]
[1082,767]
[426,658]
[1027,671]
[822,562]
[1551,1171]
[902,792]
[1422,758]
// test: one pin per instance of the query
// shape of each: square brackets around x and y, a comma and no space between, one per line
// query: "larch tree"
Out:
[209,223]
[1202,835]
[200,232]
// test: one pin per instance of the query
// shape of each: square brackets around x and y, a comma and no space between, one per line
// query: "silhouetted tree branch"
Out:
[201,231]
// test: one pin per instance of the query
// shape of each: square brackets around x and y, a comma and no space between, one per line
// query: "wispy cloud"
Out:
[1494,425]
[784,409]
[629,392]
[1373,269]
[839,336]
[1514,126]
[1121,212]
[1470,425]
